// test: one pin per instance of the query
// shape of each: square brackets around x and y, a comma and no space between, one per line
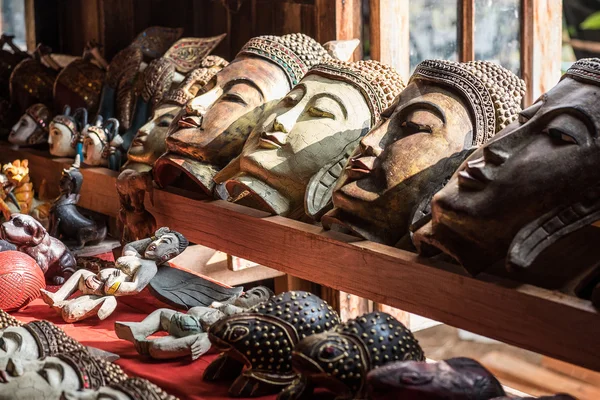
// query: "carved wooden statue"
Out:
[211,133]
[132,273]
[445,110]
[49,378]
[188,332]
[30,237]
[291,160]
[149,142]
[135,222]
[262,339]
[510,198]
[66,222]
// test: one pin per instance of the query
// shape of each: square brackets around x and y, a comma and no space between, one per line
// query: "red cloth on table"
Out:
[182,378]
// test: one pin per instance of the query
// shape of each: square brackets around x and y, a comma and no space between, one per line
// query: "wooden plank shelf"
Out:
[526,316]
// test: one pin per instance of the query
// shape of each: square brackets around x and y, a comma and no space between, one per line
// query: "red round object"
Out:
[21,279]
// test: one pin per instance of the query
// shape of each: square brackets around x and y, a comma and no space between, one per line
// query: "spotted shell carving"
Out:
[266,335]
[347,353]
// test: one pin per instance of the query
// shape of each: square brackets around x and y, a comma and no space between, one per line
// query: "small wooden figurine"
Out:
[66,222]
[135,222]
[30,237]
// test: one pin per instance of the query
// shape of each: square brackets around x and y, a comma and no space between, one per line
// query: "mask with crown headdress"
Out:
[293,157]
[149,142]
[48,378]
[208,134]
[534,184]
[164,75]
[445,111]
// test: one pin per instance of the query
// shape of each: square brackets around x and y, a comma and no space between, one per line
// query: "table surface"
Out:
[182,378]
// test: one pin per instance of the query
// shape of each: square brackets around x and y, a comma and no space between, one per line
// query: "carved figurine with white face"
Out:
[149,143]
[34,340]
[535,183]
[302,144]
[65,130]
[129,389]
[102,144]
[48,378]
[32,128]
[446,108]
[213,127]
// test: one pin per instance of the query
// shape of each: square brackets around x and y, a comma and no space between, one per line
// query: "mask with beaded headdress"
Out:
[292,159]
[35,340]
[521,193]
[212,128]
[48,378]
[446,110]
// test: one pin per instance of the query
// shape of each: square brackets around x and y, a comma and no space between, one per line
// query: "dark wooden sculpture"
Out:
[30,237]
[340,359]
[135,222]
[536,183]
[263,338]
[456,378]
[66,222]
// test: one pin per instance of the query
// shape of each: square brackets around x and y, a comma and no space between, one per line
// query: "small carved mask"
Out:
[549,158]
[32,128]
[65,130]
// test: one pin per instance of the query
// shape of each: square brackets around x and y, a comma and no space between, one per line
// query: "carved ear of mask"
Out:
[317,200]
[341,49]
[548,229]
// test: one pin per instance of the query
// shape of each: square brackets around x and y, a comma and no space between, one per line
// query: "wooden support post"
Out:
[30,25]
[466,30]
[541,46]
[390,39]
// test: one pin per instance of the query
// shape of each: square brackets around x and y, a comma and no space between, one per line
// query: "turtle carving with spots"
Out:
[262,340]
[340,359]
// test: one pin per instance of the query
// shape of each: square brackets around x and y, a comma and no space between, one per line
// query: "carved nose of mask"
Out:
[190,121]
[14,368]
[494,155]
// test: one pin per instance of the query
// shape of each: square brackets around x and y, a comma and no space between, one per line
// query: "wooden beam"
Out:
[390,38]
[30,25]
[536,319]
[466,30]
[541,46]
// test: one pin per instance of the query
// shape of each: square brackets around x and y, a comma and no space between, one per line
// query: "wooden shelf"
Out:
[536,319]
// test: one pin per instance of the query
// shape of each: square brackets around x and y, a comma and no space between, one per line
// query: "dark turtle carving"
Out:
[340,359]
[263,338]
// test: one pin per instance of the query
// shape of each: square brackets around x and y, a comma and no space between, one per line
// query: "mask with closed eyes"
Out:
[149,143]
[47,378]
[293,156]
[212,128]
[445,110]
[534,183]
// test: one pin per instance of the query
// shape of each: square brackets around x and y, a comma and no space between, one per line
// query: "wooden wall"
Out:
[114,23]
